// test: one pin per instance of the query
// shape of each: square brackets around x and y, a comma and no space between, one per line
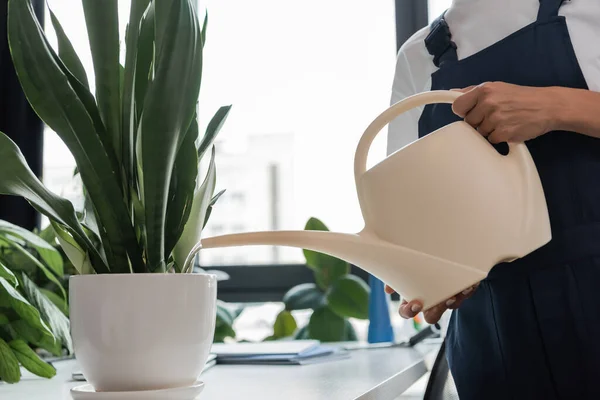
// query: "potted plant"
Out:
[32,319]
[140,320]
[334,297]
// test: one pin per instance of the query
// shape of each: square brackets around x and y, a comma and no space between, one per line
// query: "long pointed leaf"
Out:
[41,266]
[57,321]
[18,180]
[128,126]
[78,256]
[67,53]
[47,252]
[11,296]
[168,110]
[8,275]
[102,21]
[57,300]
[204,26]
[30,360]
[143,63]
[51,95]
[20,329]
[9,365]
[212,203]
[182,188]
[213,128]
[192,231]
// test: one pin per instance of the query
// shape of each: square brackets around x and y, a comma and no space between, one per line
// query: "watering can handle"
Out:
[517,150]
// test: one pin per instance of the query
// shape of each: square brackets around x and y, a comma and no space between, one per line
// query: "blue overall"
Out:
[532,328]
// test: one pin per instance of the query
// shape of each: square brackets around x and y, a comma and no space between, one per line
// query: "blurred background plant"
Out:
[335,296]
[226,316]
[34,320]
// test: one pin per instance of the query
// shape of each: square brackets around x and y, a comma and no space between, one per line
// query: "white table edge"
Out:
[395,385]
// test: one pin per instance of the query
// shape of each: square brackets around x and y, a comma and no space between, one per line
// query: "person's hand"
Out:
[433,314]
[504,112]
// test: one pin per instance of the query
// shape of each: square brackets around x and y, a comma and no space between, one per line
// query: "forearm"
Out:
[576,110]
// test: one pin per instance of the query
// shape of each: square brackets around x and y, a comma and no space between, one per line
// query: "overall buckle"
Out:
[438,41]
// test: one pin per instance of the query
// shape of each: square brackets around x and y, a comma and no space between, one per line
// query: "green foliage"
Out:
[226,316]
[327,269]
[349,297]
[284,327]
[30,360]
[135,141]
[9,364]
[29,319]
[304,296]
[336,296]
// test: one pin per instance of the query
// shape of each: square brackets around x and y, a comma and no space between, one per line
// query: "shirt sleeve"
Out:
[412,76]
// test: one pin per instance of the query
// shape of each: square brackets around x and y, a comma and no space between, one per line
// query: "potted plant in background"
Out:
[31,317]
[140,319]
[334,297]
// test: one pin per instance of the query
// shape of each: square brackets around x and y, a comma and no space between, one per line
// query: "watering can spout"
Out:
[414,275]
[338,245]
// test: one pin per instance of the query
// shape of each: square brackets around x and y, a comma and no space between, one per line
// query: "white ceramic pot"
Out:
[142,331]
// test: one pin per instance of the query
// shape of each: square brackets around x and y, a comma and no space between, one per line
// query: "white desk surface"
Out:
[373,374]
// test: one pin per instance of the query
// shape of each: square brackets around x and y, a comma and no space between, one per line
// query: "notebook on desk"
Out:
[298,352]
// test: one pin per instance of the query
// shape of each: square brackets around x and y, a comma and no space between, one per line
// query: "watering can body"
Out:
[439,213]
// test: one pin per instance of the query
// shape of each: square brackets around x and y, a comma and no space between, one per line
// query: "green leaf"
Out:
[204,25]
[302,333]
[222,332]
[10,372]
[67,53]
[22,330]
[192,232]
[326,326]
[102,21]
[47,234]
[8,275]
[30,360]
[18,180]
[17,261]
[182,188]
[213,128]
[129,121]
[285,325]
[326,268]
[51,277]
[349,297]
[211,205]
[143,63]
[56,319]
[169,107]
[304,296]
[78,256]
[4,319]
[9,295]
[57,300]
[56,99]
[47,252]
[350,332]
[224,315]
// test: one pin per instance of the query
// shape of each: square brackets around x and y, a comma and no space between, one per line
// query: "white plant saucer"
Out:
[87,392]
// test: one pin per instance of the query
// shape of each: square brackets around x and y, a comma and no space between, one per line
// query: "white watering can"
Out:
[439,213]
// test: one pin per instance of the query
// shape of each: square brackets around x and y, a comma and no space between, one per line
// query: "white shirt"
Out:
[475,25]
